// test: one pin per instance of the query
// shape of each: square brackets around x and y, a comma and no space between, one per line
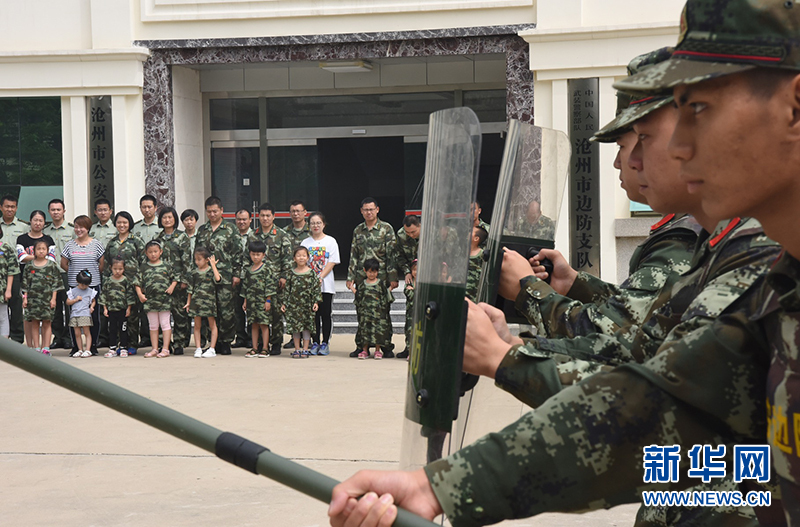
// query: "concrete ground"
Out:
[68,461]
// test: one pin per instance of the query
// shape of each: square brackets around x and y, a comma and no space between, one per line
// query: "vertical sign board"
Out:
[101,152]
[584,186]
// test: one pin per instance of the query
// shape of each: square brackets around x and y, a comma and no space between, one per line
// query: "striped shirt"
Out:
[83,257]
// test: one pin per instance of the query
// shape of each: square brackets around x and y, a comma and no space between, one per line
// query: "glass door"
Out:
[236,175]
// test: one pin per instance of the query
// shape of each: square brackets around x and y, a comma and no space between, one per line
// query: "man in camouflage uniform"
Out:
[479,236]
[407,244]
[534,225]
[736,139]
[298,230]
[243,230]
[61,232]
[219,237]
[279,259]
[102,230]
[476,219]
[147,228]
[372,239]
[13,228]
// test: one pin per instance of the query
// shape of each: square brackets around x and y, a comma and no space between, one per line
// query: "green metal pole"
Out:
[182,426]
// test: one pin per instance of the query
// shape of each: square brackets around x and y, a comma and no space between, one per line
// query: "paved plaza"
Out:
[68,461]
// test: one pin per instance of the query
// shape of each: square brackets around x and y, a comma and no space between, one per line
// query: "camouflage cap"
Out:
[630,109]
[720,37]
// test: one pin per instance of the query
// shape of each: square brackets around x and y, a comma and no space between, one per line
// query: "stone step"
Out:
[351,316]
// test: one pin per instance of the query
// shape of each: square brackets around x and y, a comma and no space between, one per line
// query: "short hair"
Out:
[764,82]
[84,221]
[117,259]
[202,251]
[296,203]
[257,246]
[41,241]
[57,201]
[368,200]
[266,206]
[320,215]
[298,249]
[38,212]
[148,197]
[481,233]
[190,213]
[477,204]
[8,197]
[152,243]
[164,212]
[101,201]
[84,277]
[243,210]
[410,220]
[213,200]
[124,214]
[371,264]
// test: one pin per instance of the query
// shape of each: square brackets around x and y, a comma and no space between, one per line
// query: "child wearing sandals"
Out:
[117,297]
[202,299]
[303,293]
[81,299]
[41,280]
[156,283]
[258,288]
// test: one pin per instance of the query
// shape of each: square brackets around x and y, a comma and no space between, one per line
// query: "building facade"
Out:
[324,100]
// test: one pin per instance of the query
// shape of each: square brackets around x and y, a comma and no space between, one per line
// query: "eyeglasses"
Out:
[316,223]
[368,210]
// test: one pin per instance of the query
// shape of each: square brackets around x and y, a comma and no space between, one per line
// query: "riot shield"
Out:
[530,190]
[434,377]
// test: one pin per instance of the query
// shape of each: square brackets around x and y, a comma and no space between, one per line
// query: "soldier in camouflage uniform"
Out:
[259,286]
[201,302]
[479,236]
[155,284]
[409,292]
[279,260]
[61,232]
[176,253]
[9,267]
[744,160]
[299,229]
[534,225]
[117,297]
[13,228]
[219,237]
[243,231]
[131,249]
[304,295]
[373,302]
[477,220]
[407,244]
[372,239]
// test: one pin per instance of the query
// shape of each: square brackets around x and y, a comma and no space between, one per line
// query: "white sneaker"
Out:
[210,352]
[198,353]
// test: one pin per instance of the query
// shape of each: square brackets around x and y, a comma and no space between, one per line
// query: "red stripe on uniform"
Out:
[727,56]
[661,222]
[718,238]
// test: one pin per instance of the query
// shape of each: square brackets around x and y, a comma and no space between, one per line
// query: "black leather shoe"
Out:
[275,350]
[355,353]
[388,354]
[177,351]
[403,354]
[223,348]
[289,345]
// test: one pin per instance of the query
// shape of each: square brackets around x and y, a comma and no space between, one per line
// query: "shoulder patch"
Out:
[721,236]
[663,221]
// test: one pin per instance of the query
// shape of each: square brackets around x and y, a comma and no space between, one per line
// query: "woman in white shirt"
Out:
[323,252]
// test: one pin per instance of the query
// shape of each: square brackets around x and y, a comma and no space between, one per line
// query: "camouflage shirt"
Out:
[39,283]
[224,245]
[485,226]
[302,292]
[380,243]
[594,306]
[9,266]
[203,288]
[131,249]
[543,229]
[176,252]
[154,280]
[258,285]
[117,295]
[373,300]
[726,266]
[279,251]
[406,251]
[297,235]
[474,274]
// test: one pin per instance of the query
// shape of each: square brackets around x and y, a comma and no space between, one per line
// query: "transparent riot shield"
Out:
[530,190]
[434,378]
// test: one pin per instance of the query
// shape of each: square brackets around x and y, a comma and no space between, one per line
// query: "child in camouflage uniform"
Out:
[259,285]
[82,300]
[479,236]
[155,285]
[8,269]
[409,292]
[40,284]
[117,297]
[373,300]
[202,299]
[304,292]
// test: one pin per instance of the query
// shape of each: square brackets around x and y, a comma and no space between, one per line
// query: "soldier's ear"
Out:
[793,91]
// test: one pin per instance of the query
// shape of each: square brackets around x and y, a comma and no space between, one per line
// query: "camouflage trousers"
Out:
[407,329]
[226,317]
[180,318]
[276,321]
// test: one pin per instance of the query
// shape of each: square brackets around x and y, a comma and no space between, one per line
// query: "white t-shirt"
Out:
[321,252]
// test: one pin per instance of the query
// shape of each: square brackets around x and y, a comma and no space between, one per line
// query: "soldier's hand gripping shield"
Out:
[439,322]
[530,190]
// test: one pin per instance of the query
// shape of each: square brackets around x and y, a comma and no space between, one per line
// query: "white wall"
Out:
[188,111]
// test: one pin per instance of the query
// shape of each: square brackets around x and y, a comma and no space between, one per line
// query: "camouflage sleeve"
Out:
[582,449]
[186,257]
[402,261]
[101,298]
[391,255]
[130,292]
[190,282]
[12,264]
[287,259]
[352,265]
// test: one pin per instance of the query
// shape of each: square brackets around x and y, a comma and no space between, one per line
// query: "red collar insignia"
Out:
[663,221]
[718,238]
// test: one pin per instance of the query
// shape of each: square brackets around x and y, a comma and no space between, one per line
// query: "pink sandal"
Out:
[151,353]
[162,354]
